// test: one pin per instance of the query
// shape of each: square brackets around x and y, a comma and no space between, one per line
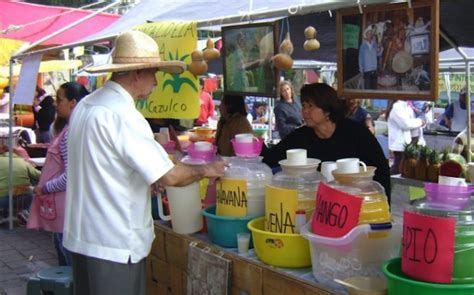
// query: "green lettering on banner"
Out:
[350,36]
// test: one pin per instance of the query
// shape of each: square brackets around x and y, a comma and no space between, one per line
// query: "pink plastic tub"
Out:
[447,196]
[247,149]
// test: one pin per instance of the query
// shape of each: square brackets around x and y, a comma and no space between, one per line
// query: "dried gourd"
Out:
[283,60]
[210,52]
[198,66]
[311,43]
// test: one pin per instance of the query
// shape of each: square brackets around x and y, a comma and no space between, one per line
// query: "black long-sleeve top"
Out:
[350,140]
[46,115]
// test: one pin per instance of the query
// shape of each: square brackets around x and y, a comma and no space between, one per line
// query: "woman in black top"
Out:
[44,113]
[329,136]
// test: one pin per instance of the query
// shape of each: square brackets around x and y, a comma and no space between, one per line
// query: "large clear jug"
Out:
[304,179]
[248,175]
[463,270]
[375,208]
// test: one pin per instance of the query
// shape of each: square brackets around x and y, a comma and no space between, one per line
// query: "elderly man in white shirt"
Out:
[402,126]
[113,161]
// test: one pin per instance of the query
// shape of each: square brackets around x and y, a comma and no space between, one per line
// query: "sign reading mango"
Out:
[176,95]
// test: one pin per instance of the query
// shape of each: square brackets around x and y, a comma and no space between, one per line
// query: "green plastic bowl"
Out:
[399,283]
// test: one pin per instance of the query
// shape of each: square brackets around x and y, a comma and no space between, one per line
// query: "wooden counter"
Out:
[167,267]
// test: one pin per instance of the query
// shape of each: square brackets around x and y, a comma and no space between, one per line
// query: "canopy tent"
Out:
[45,66]
[31,22]
[456,27]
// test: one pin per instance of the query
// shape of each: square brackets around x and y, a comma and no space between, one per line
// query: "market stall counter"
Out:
[169,270]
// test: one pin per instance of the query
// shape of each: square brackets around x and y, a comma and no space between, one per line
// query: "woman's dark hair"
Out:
[324,97]
[74,91]
[234,104]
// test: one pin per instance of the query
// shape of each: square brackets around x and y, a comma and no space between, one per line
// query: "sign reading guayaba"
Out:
[176,95]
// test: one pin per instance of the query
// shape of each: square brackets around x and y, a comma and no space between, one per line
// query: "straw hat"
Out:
[402,62]
[135,50]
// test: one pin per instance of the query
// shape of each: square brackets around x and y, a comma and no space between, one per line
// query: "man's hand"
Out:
[215,169]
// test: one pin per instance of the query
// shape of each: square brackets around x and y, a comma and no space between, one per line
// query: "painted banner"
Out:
[177,95]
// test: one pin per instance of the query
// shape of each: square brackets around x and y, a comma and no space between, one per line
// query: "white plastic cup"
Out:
[203,146]
[350,165]
[244,137]
[296,157]
[166,133]
[326,169]
[243,242]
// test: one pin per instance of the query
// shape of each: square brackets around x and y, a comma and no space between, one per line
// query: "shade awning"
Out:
[45,66]
[31,22]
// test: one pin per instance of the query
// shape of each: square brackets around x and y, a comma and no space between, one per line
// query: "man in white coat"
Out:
[402,123]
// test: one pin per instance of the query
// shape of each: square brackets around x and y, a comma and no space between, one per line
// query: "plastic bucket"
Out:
[448,197]
[359,253]
[223,230]
[399,283]
[247,149]
[206,156]
[282,250]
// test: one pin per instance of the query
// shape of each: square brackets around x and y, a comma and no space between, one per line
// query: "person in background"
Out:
[258,113]
[287,110]
[207,106]
[460,146]
[455,114]
[24,176]
[44,114]
[369,52]
[358,114]
[113,162]
[233,121]
[328,135]
[5,101]
[401,121]
[47,211]
[421,110]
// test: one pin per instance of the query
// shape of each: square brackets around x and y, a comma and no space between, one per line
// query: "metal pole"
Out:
[468,109]
[10,149]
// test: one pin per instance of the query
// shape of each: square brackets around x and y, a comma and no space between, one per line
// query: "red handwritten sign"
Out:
[428,247]
[336,213]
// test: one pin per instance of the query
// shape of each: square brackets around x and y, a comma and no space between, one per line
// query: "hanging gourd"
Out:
[311,43]
[210,52]
[283,60]
[198,66]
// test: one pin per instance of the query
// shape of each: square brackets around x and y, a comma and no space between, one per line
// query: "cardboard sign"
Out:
[336,213]
[231,198]
[280,208]
[177,95]
[428,247]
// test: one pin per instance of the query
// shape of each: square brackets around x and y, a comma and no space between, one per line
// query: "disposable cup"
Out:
[243,241]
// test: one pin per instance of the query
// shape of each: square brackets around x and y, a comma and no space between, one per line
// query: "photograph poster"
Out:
[247,53]
[389,51]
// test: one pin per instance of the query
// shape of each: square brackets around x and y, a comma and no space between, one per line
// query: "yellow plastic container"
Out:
[282,250]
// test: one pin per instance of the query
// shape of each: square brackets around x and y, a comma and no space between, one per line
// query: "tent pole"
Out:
[10,149]
[468,109]
[71,25]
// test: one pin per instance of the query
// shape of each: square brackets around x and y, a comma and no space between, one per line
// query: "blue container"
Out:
[223,230]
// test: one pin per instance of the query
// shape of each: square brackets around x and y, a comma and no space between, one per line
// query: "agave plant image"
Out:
[176,81]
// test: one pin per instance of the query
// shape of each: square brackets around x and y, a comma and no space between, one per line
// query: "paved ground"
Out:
[22,253]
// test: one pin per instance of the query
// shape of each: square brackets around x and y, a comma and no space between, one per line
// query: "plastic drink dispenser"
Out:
[362,251]
[292,191]
[241,192]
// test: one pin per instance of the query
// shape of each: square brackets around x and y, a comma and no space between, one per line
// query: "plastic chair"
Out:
[57,280]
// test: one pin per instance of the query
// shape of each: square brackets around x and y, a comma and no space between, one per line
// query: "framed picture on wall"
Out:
[247,52]
[389,51]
